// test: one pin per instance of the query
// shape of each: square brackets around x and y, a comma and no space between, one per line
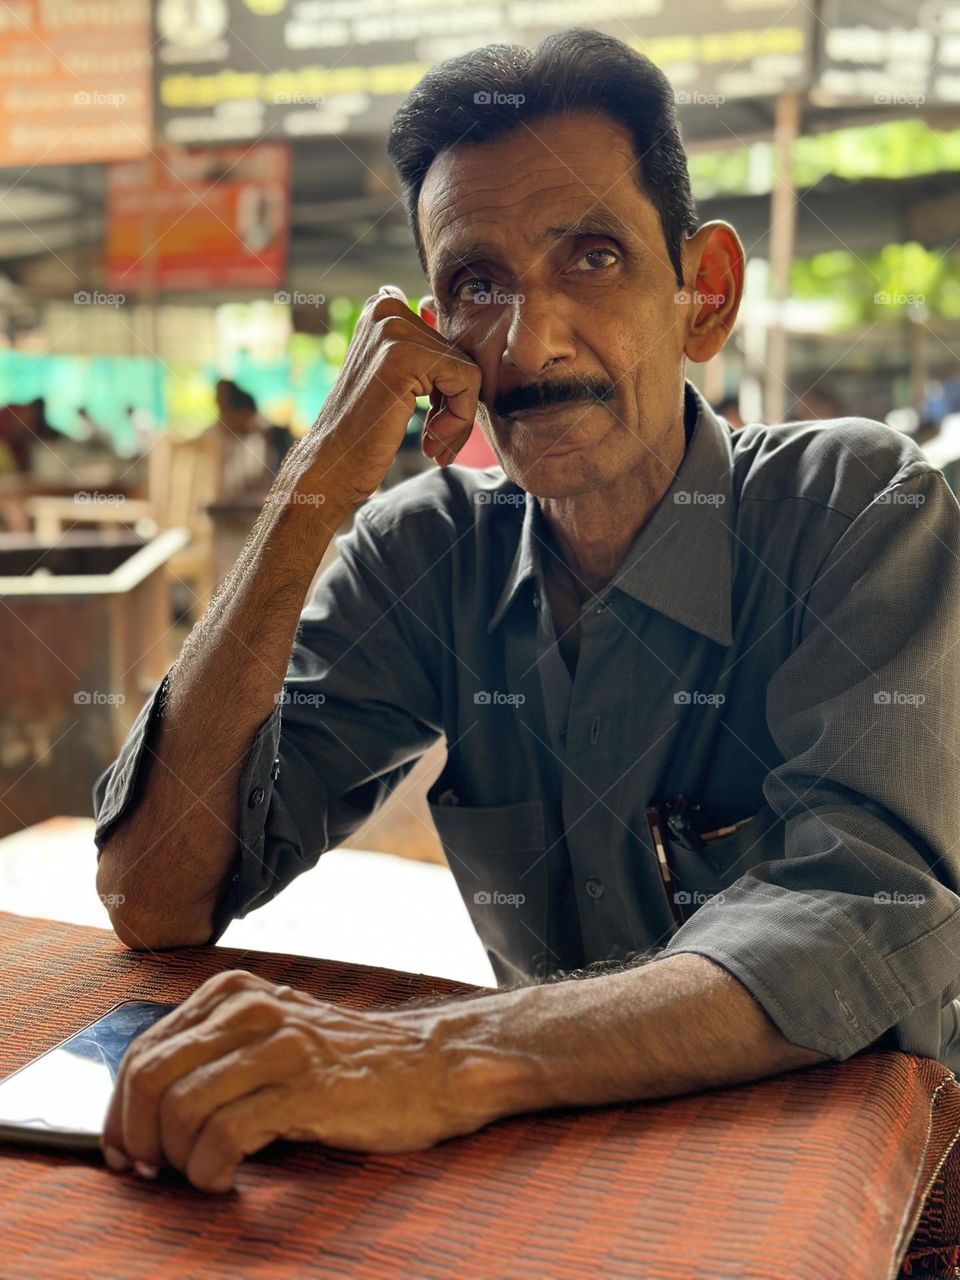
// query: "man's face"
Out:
[565,298]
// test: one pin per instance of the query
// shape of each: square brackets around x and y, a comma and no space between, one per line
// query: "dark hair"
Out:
[482,95]
[236,397]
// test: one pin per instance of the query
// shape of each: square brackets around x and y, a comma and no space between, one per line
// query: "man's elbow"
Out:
[144,927]
[152,935]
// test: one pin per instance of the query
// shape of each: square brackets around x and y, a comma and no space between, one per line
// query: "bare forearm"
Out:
[167,859]
[180,838]
[676,1026]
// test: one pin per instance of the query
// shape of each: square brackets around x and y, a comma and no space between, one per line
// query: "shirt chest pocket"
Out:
[498,858]
[719,862]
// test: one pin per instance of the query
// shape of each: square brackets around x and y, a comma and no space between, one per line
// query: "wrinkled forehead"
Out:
[560,167]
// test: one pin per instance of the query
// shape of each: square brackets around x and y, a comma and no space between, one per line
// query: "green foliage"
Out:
[899,281]
[893,149]
[902,279]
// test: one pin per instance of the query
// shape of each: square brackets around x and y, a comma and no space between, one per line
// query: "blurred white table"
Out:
[371,908]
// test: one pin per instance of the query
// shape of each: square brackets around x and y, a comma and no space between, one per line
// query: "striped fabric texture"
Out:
[845,1171]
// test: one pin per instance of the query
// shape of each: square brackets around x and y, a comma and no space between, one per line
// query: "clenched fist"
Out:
[393,357]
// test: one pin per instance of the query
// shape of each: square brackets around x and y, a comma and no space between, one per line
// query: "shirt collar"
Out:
[681,561]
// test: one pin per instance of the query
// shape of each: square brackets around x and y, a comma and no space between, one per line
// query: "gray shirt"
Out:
[779,646]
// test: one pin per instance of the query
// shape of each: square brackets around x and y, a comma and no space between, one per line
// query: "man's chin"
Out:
[561,475]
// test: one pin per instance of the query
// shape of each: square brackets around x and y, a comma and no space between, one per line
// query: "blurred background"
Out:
[195,202]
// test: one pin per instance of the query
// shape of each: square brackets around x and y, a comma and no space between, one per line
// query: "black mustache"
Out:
[542,395]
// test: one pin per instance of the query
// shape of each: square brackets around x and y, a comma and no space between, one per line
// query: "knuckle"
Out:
[392,317]
[143,1082]
[231,980]
[384,328]
[177,1109]
[257,1006]
[292,1045]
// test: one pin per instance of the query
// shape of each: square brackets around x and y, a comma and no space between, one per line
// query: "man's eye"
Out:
[594,254]
[468,290]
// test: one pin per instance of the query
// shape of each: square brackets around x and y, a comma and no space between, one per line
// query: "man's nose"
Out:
[537,337]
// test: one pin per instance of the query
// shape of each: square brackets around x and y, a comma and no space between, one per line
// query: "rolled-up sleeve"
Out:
[359,706]
[855,932]
[114,788]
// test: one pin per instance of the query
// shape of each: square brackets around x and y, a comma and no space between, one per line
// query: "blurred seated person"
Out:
[817,404]
[88,429]
[927,429]
[22,428]
[729,408]
[143,428]
[251,448]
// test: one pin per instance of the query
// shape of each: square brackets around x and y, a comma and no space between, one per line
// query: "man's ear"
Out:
[425,308]
[713,261]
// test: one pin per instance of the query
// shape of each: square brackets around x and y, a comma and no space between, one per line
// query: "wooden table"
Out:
[817,1175]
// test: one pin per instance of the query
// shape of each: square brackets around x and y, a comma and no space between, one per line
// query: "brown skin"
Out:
[243,1061]
[593,306]
[163,865]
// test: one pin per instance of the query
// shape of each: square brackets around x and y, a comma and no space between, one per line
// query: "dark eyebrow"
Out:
[450,260]
[597,222]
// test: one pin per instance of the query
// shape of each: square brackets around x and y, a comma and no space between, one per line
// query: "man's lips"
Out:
[550,443]
[551,410]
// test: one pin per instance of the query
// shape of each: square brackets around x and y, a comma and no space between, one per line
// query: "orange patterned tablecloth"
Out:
[817,1175]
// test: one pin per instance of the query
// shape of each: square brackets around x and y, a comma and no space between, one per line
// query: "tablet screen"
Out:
[61,1098]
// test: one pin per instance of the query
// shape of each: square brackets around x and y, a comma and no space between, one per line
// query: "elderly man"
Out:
[698,688]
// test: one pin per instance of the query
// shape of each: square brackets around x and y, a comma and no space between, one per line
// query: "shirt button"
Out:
[275,774]
[536,599]
[595,729]
[594,888]
[256,797]
[601,608]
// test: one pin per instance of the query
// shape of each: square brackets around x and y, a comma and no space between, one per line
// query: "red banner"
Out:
[209,218]
[74,80]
